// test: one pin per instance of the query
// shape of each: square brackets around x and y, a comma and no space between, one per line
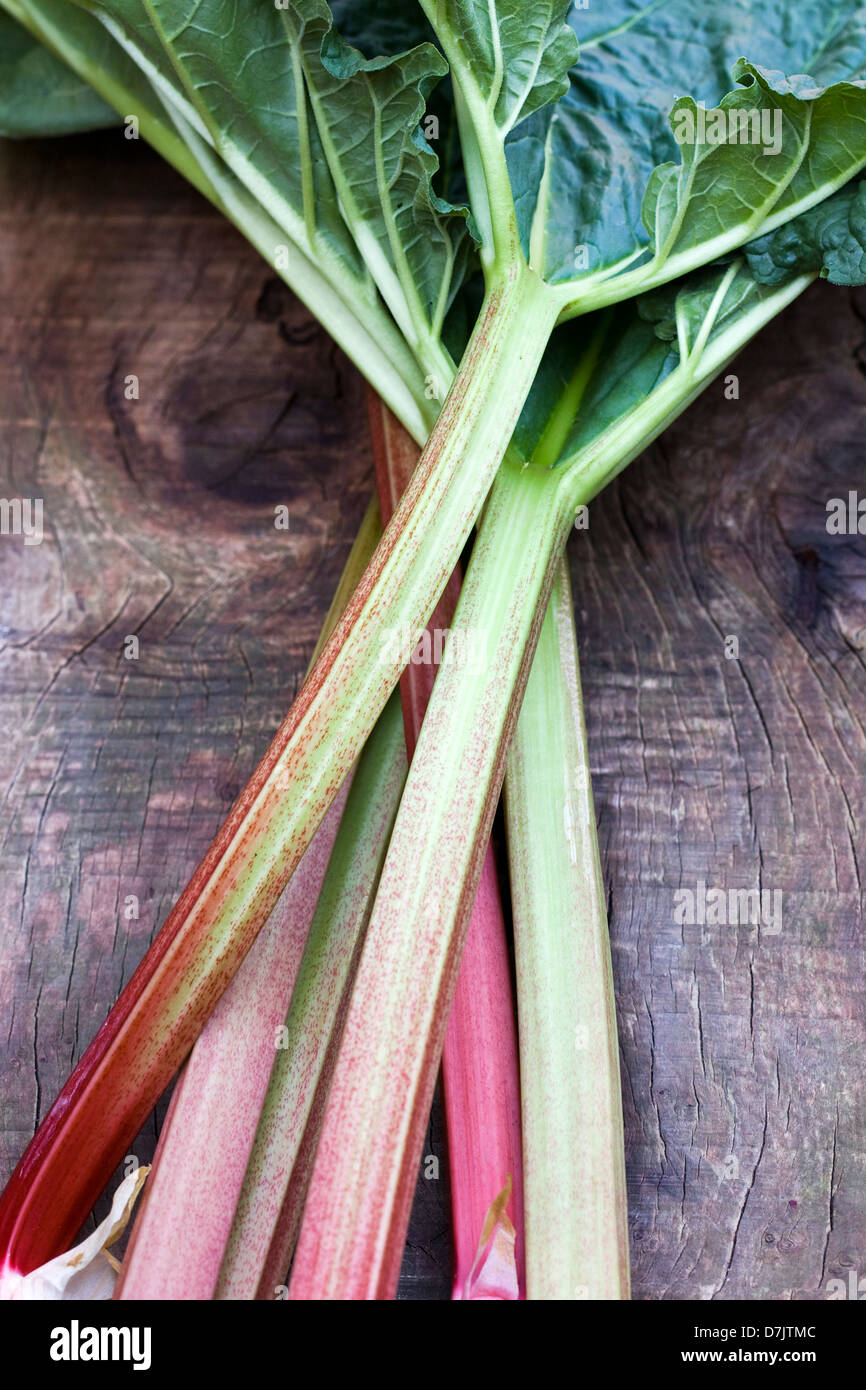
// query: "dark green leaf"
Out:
[829,239]
[600,178]
[517,56]
[39,94]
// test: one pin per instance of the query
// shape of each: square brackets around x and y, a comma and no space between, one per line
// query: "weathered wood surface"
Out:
[742,1047]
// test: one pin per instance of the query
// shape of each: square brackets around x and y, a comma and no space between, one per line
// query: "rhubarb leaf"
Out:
[815,138]
[320,135]
[625,170]
[40,94]
[376,27]
[237,81]
[83,45]
[381,26]
[690,330]
[641,342]
[369,114]
[829,239]
[506,65]
[341,294]
[512,57]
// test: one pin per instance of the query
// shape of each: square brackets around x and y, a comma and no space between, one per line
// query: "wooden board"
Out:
[742,1046]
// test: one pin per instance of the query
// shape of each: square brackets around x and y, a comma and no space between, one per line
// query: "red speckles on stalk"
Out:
[358,1204]
[479,1063]
[180,1234]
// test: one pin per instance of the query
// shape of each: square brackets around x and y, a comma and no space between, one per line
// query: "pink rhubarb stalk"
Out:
[480,1069]
[182,1226]
[183,1223]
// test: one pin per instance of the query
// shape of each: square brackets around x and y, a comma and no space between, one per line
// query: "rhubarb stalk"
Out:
[576,1215]
[360,1194]
[425,896]
[480,1070]
[183,1223]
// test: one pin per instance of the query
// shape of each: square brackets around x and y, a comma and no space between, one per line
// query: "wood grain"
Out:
[737,1043]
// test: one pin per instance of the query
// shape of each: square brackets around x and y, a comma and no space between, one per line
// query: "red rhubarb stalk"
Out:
[480,1069]
[184,1220]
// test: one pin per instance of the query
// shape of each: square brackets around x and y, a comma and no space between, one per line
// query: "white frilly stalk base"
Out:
[89,1271]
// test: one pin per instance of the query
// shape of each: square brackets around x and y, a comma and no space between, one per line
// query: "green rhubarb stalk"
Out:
[324,978]
[480,1071]
[576,1211]
[358,1204]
